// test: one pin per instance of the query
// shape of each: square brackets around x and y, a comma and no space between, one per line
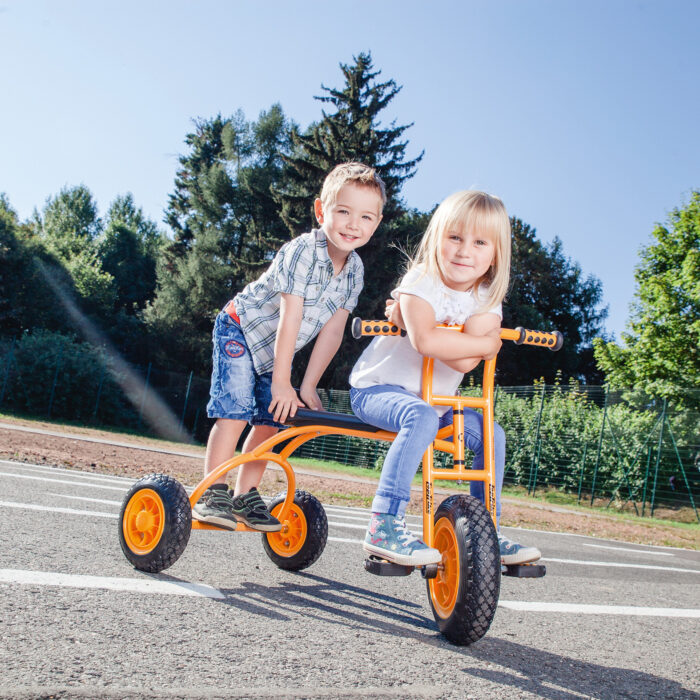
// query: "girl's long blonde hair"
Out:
[463,211]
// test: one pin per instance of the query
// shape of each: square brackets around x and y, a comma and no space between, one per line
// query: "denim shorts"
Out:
[237,391]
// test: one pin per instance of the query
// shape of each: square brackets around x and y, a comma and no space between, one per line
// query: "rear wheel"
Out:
[304,532]
[155,522]
[464,594]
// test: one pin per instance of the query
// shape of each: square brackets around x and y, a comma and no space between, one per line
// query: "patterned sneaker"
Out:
[215,507]
[250,509]
[388,537]
[514,553]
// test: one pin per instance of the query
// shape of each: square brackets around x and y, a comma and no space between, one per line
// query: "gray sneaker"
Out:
[389,537]
[514,553]
[216,508]
[250,509]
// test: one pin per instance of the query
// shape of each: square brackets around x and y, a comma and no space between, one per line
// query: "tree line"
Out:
[243,188]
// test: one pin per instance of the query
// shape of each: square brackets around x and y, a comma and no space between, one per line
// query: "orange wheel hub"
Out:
[445,586]
[290,539]
[144,520]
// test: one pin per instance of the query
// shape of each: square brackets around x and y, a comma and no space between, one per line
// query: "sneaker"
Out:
[514,553]
[250,509]
[215,507]
[388,537]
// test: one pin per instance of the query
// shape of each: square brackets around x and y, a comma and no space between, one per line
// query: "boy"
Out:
[309,290]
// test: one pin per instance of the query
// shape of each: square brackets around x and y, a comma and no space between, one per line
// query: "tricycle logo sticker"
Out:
[233,348]
[428,498]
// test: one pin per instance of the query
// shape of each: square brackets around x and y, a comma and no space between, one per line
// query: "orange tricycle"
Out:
[155,521]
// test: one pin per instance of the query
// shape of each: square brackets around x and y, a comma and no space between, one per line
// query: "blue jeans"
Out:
[416,424]
[237,391]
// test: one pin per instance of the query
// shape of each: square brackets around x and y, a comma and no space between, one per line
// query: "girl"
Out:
[459,276]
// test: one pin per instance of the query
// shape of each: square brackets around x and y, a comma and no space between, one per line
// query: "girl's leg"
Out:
[416,424]
[474,440]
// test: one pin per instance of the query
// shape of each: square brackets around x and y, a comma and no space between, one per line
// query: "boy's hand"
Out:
[284,401]
[310,397]
[393,313]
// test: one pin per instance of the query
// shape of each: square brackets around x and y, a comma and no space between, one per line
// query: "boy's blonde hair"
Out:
[356,173]
[461,212]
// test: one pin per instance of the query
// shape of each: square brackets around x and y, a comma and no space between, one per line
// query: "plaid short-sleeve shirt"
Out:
[302,268]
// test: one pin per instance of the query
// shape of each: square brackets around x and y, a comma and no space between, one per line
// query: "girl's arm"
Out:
[479,324]
[325,347]
[284,399]
[441,343]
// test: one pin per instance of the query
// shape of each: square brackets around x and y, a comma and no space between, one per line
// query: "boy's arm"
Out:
[284,398]
[441,343]
[326,345]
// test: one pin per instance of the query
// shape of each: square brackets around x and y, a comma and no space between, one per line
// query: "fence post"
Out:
[99,393]
[658,459]
[8,366]
[646,480]
[600,443]
[55,380]
[145,389]
[685,477]
[536,451]
[583,464]
[187,396]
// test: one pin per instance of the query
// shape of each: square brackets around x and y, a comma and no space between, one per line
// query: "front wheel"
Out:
[304,532]
[464,594]
[155,522]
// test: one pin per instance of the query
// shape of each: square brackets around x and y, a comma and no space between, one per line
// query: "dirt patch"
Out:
[145,456]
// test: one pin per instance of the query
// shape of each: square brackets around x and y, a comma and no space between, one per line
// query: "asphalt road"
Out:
[78,621]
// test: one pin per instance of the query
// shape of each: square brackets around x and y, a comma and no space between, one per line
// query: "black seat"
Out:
[306,416]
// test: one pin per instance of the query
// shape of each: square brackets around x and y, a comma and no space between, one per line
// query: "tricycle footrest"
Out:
[524,570]
[382,567]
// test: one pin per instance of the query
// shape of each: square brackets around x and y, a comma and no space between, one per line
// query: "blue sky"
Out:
[582,116]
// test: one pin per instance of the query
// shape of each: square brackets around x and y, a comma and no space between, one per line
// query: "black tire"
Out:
[304,539]
[464,595]
[155,522]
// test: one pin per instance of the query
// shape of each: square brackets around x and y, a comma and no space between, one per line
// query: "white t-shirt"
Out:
[393,360]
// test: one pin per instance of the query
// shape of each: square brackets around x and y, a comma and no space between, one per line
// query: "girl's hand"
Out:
[393,313]
[284,401]
[310,397]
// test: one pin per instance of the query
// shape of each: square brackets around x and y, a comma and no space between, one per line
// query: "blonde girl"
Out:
[459,276]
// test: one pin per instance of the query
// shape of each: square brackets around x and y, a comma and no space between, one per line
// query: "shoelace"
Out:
[404,535]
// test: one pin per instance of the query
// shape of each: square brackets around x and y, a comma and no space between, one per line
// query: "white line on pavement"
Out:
[23,466]
[583,609]
[112,583]
[83,498]
[627,549]
[619,565]
[64,481]
[344,539]
[55,509]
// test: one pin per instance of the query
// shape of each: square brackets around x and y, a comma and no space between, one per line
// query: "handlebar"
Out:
[552,340]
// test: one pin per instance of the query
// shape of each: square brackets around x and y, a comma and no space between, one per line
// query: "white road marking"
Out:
[583,609]
[22,466]
[627,549]
[112,583]
[344,539]
[64,481]
[56,509]
[619,565]
[83,498]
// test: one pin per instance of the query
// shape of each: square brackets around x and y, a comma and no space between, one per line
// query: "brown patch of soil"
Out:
[141,458]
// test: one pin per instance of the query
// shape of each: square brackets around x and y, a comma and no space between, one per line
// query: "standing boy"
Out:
[309,290]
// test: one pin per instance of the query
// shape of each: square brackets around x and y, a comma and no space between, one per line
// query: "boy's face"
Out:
[352,219]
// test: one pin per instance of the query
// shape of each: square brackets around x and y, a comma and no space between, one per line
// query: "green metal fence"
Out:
[612,448]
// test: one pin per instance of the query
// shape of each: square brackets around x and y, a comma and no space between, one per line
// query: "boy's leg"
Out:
[221,445]
[250,473]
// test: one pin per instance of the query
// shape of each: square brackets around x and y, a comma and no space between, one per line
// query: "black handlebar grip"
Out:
[551,340]
[361,328]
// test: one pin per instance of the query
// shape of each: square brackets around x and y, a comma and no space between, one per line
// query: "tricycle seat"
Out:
[306,416]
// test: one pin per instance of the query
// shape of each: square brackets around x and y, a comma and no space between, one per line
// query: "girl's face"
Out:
[465,257]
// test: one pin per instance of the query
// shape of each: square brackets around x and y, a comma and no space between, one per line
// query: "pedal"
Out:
[382,567]
[524,570]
